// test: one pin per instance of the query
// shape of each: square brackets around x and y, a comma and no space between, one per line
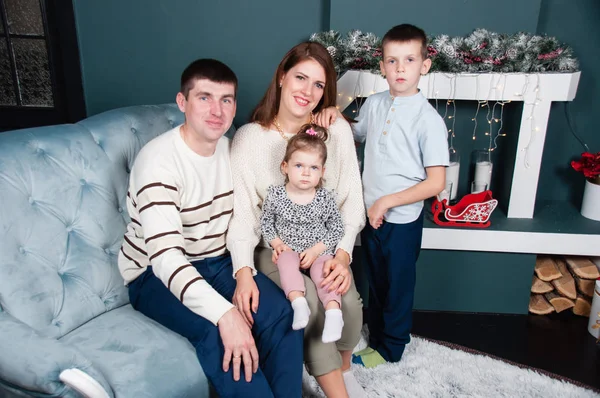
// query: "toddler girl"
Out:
[303,225]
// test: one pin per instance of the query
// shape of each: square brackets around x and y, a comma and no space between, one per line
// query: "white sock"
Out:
[354,389]
[301,313]
[332,331]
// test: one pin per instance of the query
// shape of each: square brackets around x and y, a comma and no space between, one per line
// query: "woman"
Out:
[304,83]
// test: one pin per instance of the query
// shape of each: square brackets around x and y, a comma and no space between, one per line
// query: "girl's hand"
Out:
[326,117]
[308,257]
[278,249]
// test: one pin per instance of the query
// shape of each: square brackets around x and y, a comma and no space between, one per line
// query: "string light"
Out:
[452,117]
[533,126]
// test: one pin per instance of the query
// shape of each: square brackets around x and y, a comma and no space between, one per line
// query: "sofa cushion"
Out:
[139,357]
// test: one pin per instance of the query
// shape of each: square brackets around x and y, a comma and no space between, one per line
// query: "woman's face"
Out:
[302,88]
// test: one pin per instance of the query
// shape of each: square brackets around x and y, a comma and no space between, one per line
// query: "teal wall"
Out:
[436,16]
[578,24]
[133,52]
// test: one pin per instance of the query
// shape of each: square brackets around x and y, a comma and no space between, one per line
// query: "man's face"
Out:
[209,109]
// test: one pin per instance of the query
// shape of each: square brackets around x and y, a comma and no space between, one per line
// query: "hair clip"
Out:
[311,131]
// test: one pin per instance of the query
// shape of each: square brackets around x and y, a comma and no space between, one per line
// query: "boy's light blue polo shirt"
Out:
[403,136]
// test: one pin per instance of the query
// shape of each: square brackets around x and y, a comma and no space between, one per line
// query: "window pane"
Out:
[24,17]
[32,72]
[7,92]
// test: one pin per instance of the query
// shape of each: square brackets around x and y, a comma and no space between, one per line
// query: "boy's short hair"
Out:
[209,69]
[406,32]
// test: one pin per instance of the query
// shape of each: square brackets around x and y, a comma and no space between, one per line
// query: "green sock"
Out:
[363,351]
[369,358]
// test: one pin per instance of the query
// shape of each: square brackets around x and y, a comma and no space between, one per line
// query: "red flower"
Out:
[589,164]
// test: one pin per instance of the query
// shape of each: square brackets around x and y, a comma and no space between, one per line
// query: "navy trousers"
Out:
[391,253]
[279,346]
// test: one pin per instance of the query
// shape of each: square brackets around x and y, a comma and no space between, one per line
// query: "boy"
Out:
[174,259]
[406,153]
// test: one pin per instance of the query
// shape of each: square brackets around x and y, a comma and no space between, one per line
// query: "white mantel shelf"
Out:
[492,87]
[511,241]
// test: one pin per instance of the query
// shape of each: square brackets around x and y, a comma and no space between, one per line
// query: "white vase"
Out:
[590,206]
[594,322]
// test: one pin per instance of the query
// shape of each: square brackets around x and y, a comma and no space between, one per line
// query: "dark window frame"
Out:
[65,70]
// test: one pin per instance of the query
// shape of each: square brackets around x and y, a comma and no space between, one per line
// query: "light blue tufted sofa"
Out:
[63,304]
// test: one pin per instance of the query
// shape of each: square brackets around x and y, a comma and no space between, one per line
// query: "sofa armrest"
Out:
[83,383]
[33,363]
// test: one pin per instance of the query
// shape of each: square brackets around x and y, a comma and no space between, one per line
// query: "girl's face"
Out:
[302,88]
[304,169]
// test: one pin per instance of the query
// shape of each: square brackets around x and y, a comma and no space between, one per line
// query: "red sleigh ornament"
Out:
[473,210]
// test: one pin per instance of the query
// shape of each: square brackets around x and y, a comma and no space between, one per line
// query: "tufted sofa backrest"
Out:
[63,214]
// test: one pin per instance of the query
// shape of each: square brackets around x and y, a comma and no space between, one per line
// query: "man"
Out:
[174,258]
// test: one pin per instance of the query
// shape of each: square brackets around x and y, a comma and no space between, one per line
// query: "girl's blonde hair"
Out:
[310,138]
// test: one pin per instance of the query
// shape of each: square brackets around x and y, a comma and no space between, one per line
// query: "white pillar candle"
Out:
[452,172]
[483,173]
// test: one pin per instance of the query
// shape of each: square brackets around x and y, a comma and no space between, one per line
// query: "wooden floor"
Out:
[559,343]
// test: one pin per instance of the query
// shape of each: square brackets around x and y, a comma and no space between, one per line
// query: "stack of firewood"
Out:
[563,283]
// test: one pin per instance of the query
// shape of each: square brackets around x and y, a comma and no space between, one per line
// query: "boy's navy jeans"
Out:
[279,347]
[391,253]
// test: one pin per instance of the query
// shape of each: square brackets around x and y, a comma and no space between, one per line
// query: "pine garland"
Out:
[480,52]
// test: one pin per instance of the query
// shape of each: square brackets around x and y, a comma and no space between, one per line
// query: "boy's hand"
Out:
[308,257]
[326,117]
[278,249]
[376,212]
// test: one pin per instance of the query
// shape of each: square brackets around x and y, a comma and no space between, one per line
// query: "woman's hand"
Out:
[337,272]
[326,117]
[245,297]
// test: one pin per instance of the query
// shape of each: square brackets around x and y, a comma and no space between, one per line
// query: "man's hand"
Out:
[326,117]
[245,297]
[337,272]
[239,345]
[377,211]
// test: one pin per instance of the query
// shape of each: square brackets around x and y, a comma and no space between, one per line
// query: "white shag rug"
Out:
[430,370]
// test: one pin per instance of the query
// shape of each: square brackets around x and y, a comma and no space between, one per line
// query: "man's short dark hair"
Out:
[404,33]
[209,69]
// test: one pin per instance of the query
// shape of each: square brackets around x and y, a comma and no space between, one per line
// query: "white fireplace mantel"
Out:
[537,91]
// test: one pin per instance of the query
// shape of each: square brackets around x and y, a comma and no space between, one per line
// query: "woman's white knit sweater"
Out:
[256,155]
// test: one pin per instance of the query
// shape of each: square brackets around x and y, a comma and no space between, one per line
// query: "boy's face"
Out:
[403,66]
[209,109]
